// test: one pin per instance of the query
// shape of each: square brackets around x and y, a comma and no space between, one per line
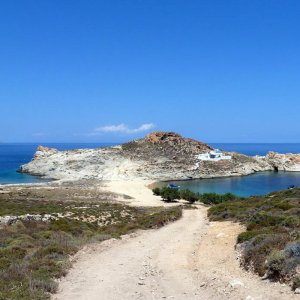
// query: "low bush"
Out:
[246,236]
[256,252]
[171,194]
[189,196]
[275,264]
[292,249]
[296,282]
[34,253]
[156,191]
[213,198]
[271,244]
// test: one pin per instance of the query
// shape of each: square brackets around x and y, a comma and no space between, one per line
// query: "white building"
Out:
[213,155]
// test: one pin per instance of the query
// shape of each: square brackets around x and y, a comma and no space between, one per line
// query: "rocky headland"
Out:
[158,156]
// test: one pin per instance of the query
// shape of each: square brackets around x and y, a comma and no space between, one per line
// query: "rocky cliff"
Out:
[158,156]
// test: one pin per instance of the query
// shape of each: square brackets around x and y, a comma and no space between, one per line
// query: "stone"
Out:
[221,234]
[297,291]
[235,283]
[10,220]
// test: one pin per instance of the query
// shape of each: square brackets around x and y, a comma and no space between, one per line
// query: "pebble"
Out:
[236,283]
[297,291]
[221,234]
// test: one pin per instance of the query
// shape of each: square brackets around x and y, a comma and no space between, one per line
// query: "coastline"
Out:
[129,168]
[205,253]
[139,191]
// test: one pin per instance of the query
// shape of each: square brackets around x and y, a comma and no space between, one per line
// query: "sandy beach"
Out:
[138,190]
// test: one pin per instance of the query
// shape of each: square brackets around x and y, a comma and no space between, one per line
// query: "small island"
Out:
[158,156]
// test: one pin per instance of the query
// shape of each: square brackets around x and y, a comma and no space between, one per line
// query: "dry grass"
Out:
[34,253]
[271,244]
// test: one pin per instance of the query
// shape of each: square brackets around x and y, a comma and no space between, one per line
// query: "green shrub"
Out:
[13,253]
[189,196]
[291,221]
[273,231]
[213,198]
[296,282]
[156,191]
[246,236]
[283,205]
[260,248]
[46,285]
[169,194]
[267,219]
[55,251]
[276,263]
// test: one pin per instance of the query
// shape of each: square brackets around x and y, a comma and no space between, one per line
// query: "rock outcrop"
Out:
[44,152]
[284,162]
[9,220]
[175,139]
[159,156]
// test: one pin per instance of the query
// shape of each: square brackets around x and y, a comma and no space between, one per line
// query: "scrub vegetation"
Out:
[271,243]
[171,194]
[33,252]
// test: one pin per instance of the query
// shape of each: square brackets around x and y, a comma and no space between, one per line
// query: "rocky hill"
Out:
[158,156]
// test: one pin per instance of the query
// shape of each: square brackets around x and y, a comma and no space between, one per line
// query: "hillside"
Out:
[158,156]
[270,246]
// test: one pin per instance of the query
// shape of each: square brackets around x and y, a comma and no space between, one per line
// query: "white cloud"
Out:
[123,128]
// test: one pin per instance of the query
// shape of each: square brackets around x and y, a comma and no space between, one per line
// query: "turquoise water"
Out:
[256,184]
[14,155]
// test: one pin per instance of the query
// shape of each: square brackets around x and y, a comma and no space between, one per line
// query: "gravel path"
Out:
[188,259]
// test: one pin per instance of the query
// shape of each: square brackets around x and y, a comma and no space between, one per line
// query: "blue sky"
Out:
[106,71]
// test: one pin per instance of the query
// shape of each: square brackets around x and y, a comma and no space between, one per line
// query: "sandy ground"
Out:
[137,189]
[188,259]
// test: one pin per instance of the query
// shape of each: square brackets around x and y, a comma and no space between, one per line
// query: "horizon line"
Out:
[77,142]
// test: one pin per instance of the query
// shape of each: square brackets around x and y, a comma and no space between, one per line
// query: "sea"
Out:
[13,155]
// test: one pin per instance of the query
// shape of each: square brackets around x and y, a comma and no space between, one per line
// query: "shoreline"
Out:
[139,191]
[162,156]
[208,257]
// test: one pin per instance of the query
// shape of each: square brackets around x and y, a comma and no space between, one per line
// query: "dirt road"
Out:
[188,259]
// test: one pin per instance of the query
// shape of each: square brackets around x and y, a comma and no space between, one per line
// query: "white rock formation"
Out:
[284,162]
[159,156]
